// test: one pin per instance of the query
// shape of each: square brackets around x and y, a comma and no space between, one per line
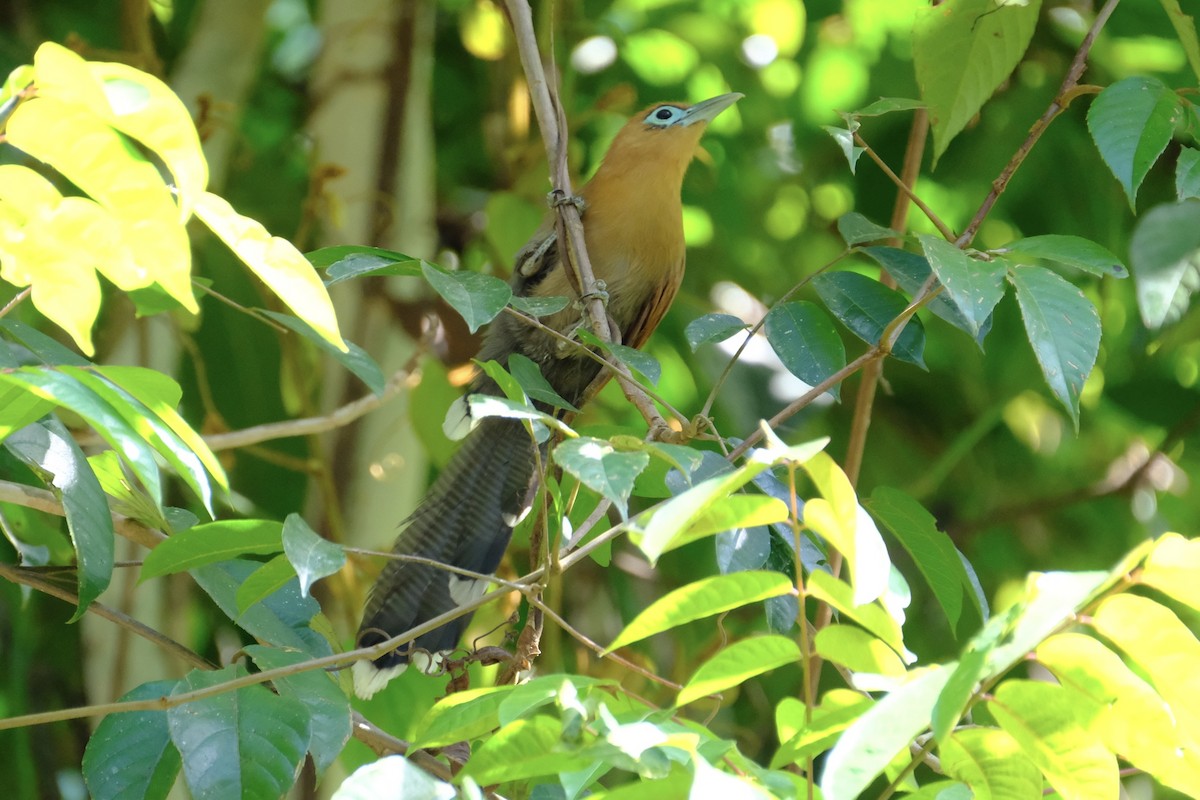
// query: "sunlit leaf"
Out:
[312,556]
[213,542]
[700,599]
[736,664]
[803,738]
[975,286]
[602,468]
[991,763]
[264,582]
[877,736]
[1172,567]
[1045,723]
[983,41]
[393,775]
[824,587]
[857,650]
[282,267]
[462,717]
[525,748]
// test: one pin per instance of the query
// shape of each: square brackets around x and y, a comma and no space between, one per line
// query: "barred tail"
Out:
[464,521]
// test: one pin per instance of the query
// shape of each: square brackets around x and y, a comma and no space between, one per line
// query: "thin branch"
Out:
[1065,94]
[41,500]
[16,301]
[906,187]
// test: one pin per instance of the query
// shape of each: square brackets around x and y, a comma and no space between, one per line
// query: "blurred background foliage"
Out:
[405,124]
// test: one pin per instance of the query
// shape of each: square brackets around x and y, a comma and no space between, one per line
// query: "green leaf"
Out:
[1187,173]
[712,328]
[1063,328]
[670,525]
[277,262]
[1071,251]
[213,542]
[267,579]
[975,286]
[245,743]
[462,717]
[700,599]
[281,619]
[983,41]
[886,105]
[911,271]
[327,706]
[838,710]
[477,297]
[944,790]
[1161,647]
[1185,29]
[1044,721]
[837,593]
[393,776]
[991,763]
[130,754]
[486,405]
[856,229]
[353,358]
[539,306]
[50,352]
[631,357]
[344,262]
[1165,255]
[1131,122]
[845,140]
[737,663]
[857,650]
[866,307]
[524,749]
[539,692]
[881,733]
[50,451]
[161,395]
[932,551]
[602,468]
[20,407]
[1172,567]
[65,390]
[312,556]
[535,385]
[804,338]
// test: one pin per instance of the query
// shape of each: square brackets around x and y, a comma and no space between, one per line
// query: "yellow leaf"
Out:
[277,262]
[64,75]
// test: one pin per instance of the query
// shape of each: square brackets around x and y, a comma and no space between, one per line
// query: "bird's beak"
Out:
[707,110]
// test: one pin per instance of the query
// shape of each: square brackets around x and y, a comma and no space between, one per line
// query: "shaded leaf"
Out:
[281,619]
[130,754]
[1063,328]
[245,743]
[1071,251]
[975,286]
[477,297]
[911,271]
[344,262]
[867,307]
[1187,173]
[712,328]
[856,229]
[602,468]
[886,105]
[353,358]
[1131,122]
[534,384]
[312,556]
[1165,255]
[805,340]
[539,306]
[50,451]
[267,579]
[212,542]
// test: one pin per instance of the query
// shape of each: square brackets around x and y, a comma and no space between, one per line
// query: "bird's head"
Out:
[665,135]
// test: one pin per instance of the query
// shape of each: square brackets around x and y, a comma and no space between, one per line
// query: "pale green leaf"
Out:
[462,717]
[712,328]
[702,598]
[824,587]
[983,41]
[312,556]
[857,650]
[880,734]
[477,297]
[523,749]
[1165,256]
[213,542]
[991,763]
[736,664]
[267,579]
[802,738]
[393,776]
[1071,251]
[1044,721]
[282,267]
[1172,568]
[602,468]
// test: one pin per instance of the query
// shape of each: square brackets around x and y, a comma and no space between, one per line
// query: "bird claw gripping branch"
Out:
[634,238]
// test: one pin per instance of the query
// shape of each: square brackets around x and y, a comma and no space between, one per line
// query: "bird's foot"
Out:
[558,197]
[599,292]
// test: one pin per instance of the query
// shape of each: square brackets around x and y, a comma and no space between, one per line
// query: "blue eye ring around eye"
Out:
[663,114]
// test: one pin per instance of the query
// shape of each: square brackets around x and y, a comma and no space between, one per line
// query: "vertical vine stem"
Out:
[552,123]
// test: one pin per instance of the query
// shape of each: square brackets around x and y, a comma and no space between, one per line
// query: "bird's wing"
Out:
[652,311]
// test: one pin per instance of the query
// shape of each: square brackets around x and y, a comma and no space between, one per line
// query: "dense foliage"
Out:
[931,382]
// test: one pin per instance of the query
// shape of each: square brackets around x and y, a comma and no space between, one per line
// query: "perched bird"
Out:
[633,228]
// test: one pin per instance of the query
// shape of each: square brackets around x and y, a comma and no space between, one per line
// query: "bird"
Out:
[633,231]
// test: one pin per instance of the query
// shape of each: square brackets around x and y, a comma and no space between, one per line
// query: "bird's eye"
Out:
[663,113]
[664,116]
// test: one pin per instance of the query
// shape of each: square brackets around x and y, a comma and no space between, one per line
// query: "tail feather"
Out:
[464,521]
